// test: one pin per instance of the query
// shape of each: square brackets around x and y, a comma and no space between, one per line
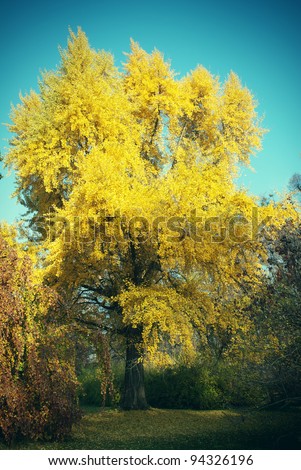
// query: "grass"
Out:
[181,429]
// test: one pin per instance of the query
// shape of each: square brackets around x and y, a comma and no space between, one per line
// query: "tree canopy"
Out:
[129,177]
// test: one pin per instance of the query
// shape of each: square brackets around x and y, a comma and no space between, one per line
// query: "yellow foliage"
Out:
[133,175]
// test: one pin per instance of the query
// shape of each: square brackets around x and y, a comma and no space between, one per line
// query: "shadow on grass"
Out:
[181,429]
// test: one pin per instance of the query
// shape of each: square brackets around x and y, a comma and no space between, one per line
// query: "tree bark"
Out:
[134,392]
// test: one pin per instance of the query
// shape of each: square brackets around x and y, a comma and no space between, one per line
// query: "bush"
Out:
[204,385]
[91,390]
[182,387]
[38,397]
[240,384]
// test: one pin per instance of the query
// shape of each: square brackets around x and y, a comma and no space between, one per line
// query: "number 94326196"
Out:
[221,460]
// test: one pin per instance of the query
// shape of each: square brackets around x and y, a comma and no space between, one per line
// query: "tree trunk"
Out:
[134,392]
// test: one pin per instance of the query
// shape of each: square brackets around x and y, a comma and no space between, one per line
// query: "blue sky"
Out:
[260,41]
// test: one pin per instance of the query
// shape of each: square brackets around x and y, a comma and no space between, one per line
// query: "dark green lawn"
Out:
[181,429]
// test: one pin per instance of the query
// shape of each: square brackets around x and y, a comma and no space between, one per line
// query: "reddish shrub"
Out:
[38,385]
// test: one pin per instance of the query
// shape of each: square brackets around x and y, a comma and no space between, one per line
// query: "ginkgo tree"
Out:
[131,175]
